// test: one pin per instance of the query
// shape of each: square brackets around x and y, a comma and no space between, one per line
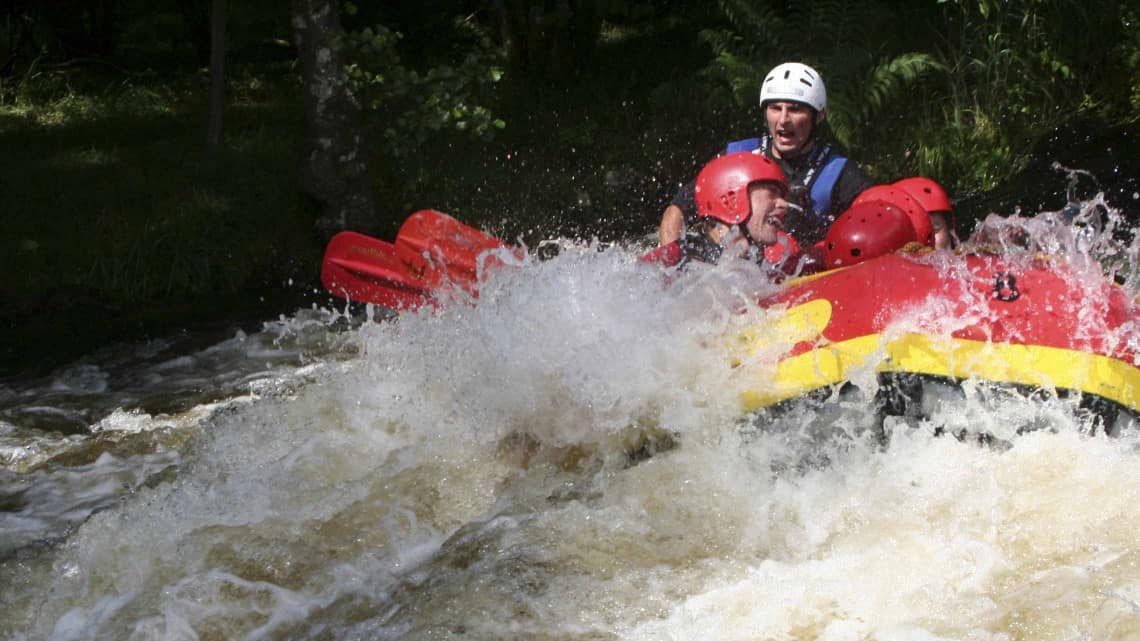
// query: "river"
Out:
[564,460]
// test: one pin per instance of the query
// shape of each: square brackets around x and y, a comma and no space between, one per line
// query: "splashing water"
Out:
[564,460]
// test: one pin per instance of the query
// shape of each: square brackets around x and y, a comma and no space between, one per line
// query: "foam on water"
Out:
[567,460]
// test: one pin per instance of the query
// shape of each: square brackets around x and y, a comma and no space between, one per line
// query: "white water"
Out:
[563,461]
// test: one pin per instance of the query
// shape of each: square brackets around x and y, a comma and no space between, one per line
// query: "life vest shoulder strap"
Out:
[748,144]
[824,182]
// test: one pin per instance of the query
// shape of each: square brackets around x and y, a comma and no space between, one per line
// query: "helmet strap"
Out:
[755,249]
[747,235]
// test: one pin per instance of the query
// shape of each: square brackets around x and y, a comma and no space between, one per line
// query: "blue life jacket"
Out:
[820,180]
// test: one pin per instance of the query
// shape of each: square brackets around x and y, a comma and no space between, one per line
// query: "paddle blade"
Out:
[667,255]
[364,269]
[440,249]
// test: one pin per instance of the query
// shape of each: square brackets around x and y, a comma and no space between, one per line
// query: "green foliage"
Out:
[119,200]
[863,75]
[406,105]
[960,89]
[1015,70]
[1127,58]
[858,103]
[761,23]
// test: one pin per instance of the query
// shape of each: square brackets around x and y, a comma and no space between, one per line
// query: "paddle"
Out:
[364,269]
[439,249]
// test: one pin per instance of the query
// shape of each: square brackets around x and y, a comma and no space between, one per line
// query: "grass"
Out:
[117,218]
[112,202]
[116,193]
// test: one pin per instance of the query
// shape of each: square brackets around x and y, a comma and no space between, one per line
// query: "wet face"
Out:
[768,209]
[790,124]
[763,224]
[941,227]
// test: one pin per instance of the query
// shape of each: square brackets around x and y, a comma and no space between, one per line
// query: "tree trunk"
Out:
[217,75]
[334,169]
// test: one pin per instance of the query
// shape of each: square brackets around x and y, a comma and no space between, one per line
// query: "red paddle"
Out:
[668,254]
[440,249]
[364,269]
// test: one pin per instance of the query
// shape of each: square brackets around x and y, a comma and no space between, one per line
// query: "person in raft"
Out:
[932,197]
[740,201]
[872,229]
[925,202]
[822,183]
[741,206]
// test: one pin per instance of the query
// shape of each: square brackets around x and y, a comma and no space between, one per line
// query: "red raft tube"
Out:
[1030,323]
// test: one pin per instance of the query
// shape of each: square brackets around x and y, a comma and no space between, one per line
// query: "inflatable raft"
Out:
[1023,321]
[1031,324]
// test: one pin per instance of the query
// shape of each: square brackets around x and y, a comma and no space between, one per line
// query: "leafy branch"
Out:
[405,106]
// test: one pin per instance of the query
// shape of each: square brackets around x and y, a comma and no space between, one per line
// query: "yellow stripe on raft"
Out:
[1034,365]
[794,325]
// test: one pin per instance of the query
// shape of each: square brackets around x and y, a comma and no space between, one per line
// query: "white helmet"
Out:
[796,82]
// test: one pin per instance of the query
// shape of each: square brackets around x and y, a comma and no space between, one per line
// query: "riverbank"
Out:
[121,226]
[62,327]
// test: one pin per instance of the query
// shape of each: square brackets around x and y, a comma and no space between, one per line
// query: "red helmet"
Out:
[912,207]
[866,231]
[722,186]
[928,193]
